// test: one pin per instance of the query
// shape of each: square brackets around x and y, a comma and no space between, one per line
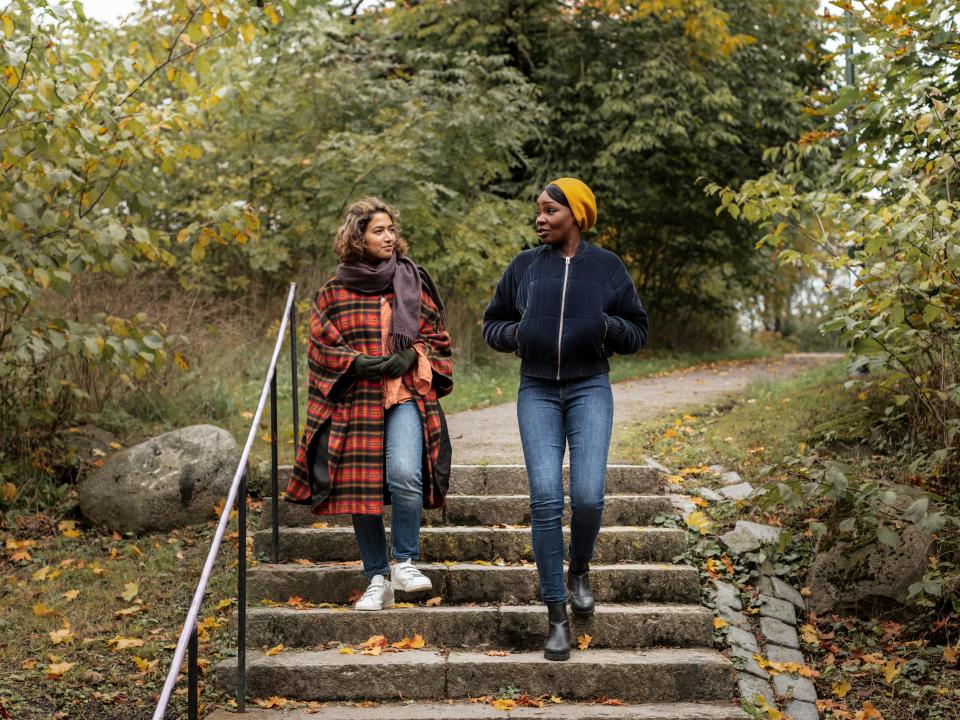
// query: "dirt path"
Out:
[491,434]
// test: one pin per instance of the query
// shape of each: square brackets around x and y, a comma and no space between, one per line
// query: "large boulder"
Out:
[845,576]
[170,481]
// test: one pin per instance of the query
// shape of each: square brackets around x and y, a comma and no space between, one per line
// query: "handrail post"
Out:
[274,485]
[193,705]
[242,594]
[295,382]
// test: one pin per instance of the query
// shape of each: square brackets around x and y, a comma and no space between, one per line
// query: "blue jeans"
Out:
[403,448]
[551,414]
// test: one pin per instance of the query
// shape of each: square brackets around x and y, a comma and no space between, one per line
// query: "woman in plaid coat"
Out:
[379,359]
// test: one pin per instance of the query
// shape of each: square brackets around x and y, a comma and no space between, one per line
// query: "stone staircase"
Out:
[651,644]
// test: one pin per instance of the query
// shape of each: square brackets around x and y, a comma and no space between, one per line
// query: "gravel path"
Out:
[491,434]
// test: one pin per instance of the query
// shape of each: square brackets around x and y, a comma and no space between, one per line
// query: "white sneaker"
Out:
[377,596]
[404,576]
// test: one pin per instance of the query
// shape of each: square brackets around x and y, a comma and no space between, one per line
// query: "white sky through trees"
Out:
[108,10]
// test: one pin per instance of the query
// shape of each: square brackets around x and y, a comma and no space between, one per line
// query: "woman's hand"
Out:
[368,367]
[398,363]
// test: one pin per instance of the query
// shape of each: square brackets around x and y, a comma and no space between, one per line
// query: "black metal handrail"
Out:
[187,643]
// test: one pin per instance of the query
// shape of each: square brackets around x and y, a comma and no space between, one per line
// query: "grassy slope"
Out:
[851,653]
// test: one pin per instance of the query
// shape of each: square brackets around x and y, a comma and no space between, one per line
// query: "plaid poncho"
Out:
[345,323]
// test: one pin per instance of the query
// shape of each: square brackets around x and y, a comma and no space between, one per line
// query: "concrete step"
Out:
[502,626]
[658,675]
[487,510]
[512,479]
[484,711]
[439,544]
[475,582]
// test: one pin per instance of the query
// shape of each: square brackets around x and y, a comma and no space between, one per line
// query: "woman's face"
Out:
[555,223]
[380,239]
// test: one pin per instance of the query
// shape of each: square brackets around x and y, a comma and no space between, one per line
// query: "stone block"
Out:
[744,661]
[776,608]
[779,633]
[799,710]
[787,592]
[751,687]
[743,638]
[726,595]
[795,687]
[780,654]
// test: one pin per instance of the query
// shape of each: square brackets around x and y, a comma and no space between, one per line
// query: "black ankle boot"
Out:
[557,646]
[581,596]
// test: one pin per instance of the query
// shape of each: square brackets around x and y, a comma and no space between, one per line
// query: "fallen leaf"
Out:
[583,641]
[275,650]
[556,699]
[8,492]
[127,612]
[57,670]
[403,605]
[320,525]
[144,665]
[698,520]
[71,595]
[346,651]
[808,633]
[869,712]
[414,643]
[272,702]
[891,669]
[62,636]
[121,643]
[497,653]
[505,705]
[950,655]
[840,689]
[719,623]
[41,610]
[613,701]
[224,604]
[354,596]
[130,591]
[68,528]
[433,602]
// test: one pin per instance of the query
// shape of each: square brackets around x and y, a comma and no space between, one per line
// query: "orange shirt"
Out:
[395,390]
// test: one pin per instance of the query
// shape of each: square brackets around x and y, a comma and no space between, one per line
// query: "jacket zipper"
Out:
[563,304]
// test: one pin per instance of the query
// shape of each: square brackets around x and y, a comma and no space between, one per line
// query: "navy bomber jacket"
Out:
[565,316]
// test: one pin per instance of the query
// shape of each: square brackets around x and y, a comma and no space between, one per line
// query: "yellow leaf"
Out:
[698,521]
[121,643]
[130,591]
[41,610]
[62,636]
[433,602]
[556,699]
[127,612]
[346,651]
[71,595]
[7,26]
[403,605]
[496,653]
[272,702]
[891,669]
[417,641]
[224,604]
[275,650]
[57,670]
[583,641]
[8,492]
[41,574]
[249,32]
[505,705]
[869,712]
[144,665]
[808,633]
[272,14]
[180,361]
[950,655]
[719,623]
[840,689]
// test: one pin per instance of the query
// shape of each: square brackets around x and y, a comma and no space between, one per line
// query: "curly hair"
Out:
[348,242]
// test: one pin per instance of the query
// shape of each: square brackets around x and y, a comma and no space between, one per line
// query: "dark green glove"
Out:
[368,366]
[398,363]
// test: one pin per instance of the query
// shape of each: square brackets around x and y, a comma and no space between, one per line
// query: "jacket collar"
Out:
[580,252]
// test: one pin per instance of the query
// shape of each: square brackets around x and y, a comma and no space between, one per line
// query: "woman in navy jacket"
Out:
[564,307]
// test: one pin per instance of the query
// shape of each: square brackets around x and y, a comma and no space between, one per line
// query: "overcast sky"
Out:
[108,10]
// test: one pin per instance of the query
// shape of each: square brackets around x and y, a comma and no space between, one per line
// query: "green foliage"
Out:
[641,100]
[77,134]
[879,221]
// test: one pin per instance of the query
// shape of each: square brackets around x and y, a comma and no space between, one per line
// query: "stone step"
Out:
[487,510]
[512,479]
[656,675]
[475,582]
[485,711]
[502,626]
[439,544]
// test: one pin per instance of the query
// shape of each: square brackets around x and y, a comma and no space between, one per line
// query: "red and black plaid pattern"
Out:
[343,324]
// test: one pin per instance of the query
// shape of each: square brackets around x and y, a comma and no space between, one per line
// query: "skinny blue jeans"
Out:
[403,449]
[551,414]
